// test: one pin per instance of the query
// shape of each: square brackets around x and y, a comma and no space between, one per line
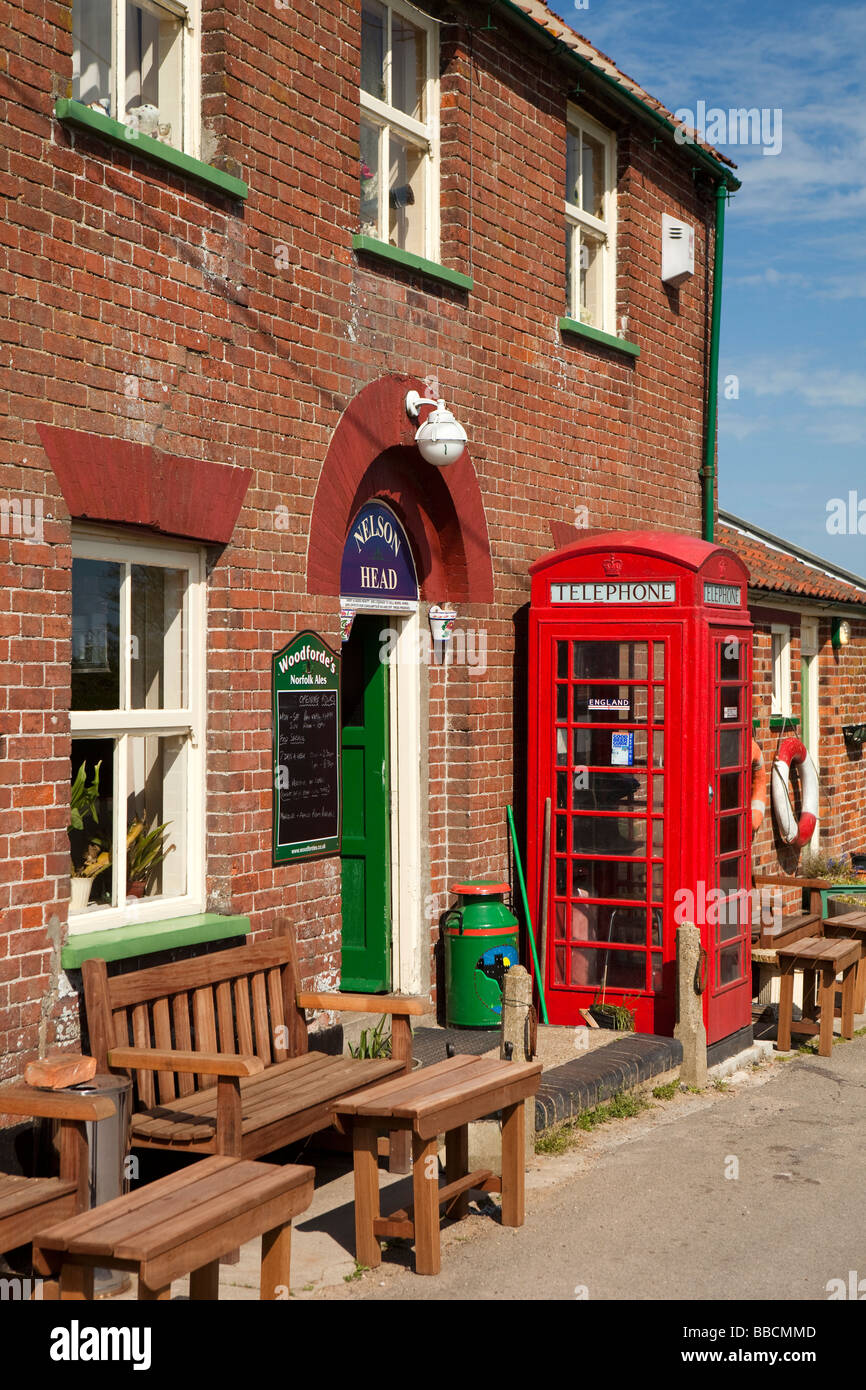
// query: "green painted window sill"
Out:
[583,330]
[784,721]
[73,113]
[146,938]
[413,262]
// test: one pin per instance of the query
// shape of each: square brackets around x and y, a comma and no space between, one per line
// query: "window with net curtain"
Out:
[134,60]
[590,209]
[398,171]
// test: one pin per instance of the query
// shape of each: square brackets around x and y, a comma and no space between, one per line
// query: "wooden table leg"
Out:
[849,977]
[425,1183]
[204,1283]
[47,1265]
[76,1282]
[786,1008]
[457,1166]
[400,1140]
[148,1295]
[808,994]
[860,987]
[513,1165]
[365,1160]
[276,1263]
[828,1010]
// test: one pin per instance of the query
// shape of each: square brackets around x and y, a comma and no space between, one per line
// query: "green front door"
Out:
[366,799]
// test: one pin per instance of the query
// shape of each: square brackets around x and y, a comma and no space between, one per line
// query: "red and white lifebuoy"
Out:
[796,833]
[759,787]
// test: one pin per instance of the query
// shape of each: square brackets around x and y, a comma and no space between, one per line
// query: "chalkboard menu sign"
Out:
[306,703]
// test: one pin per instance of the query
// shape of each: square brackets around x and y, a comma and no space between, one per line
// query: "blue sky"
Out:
[794,319]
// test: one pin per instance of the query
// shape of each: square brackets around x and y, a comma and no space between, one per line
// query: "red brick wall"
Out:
[139,306]
[842,789]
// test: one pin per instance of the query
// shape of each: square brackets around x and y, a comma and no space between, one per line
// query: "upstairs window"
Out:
[137,720]
[780,636]
[399,128]
[590,220]
[137,61]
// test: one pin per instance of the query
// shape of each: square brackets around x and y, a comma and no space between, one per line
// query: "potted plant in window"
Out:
[84,806]
[145,851]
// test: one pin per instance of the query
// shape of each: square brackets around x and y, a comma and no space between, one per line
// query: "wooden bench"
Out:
[28,1205]
[442,1099]
[218,1050]
[853,926]
[179,1225]
[794,926]
[830,958]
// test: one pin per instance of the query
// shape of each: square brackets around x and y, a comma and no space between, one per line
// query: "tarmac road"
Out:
[753,1193]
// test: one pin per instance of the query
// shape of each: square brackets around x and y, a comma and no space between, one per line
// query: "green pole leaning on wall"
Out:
[708,473]
[529,931]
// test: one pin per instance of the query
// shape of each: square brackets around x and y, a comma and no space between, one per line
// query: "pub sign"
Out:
[306,720]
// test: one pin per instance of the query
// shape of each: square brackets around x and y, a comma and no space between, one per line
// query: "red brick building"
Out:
[236,236]
[809,680]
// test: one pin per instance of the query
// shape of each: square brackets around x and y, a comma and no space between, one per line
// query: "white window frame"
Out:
[189,15]
[781,692]
[98,543]
[384,116]
[575,216]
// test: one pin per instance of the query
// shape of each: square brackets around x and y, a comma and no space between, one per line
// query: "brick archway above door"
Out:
[373,454]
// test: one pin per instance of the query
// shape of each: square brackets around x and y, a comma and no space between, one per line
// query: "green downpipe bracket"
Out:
[529,930]
[708,473]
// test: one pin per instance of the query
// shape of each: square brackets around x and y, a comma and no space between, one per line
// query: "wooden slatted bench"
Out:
[217,1047]
[792,926]
[28,1205]
[814,955]
[442,1099]
[853,926]
[180,1225]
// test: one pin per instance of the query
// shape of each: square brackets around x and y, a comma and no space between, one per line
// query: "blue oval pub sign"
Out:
[377,559]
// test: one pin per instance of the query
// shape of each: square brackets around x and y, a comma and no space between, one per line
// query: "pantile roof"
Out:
[544,16]
[781,568]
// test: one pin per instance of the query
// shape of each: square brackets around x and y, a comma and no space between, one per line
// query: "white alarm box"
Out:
[678,250]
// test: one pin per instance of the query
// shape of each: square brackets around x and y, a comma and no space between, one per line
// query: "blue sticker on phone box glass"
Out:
[622,749]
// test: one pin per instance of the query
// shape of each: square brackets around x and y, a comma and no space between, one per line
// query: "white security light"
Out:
[441,439]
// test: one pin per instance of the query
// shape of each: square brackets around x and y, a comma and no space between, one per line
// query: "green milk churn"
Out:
[481,943]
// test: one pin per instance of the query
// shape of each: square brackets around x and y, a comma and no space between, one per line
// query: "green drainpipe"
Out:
[708,473]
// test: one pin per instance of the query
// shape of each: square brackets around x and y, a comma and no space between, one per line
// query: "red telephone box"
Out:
[640,735]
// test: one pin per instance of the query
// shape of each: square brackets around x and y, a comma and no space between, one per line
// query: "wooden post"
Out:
[689,1027]
[516,1015]
[516,1006]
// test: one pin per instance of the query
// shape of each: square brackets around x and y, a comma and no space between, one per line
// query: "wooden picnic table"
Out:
[826,958]
[852,925]
[181,1224]
[442,1099]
